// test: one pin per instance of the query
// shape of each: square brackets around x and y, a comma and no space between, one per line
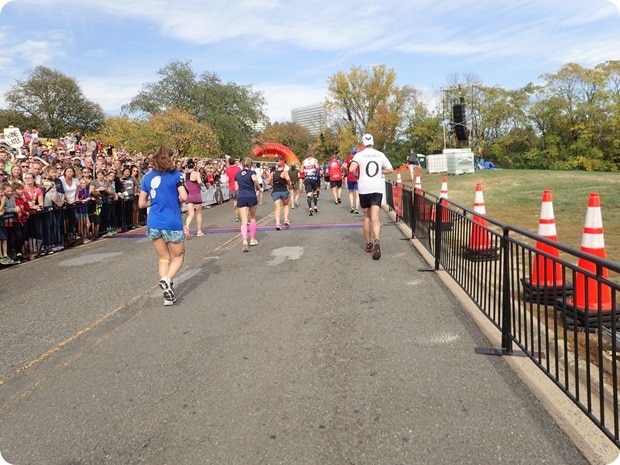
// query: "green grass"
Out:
[514,197]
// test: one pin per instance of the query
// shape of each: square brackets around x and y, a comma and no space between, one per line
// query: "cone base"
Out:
[480,255]
[545,295]
[577,318]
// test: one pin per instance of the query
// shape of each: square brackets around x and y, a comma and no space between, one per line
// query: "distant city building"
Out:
[312,117]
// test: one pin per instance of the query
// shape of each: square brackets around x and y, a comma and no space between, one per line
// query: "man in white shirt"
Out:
[310,167]
[372,165]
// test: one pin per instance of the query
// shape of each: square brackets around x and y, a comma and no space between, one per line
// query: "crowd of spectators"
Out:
[69,191]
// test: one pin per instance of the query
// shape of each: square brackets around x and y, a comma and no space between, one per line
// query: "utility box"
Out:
[459,161]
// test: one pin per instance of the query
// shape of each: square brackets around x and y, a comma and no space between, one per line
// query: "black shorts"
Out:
[311,185]
[333,184]
[375,198]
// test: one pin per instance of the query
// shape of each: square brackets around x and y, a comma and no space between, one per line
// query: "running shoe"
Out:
[376,251]
[278,227]
[352,210]
[316,209]
[338,201]
[369,247]
[310,212]
[253,242]
[287,223]
[356,211]
[200,233]
[166,285]
[237,219]
[186,232]
[245,247]
[167,302]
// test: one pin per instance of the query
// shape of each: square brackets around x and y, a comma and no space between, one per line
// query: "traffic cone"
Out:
[480,248]
[446,224]
[399,179]
[546,282]
[424,209]
[592,299]
[443,192]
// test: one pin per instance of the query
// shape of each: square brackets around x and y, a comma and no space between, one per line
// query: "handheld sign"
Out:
[13,137]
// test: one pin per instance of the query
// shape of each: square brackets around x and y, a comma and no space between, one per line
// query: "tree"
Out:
[56,101]
[367,97]
[228,109]
[177,88]
[135,134]
[231,110]
[292,135]
[187,136]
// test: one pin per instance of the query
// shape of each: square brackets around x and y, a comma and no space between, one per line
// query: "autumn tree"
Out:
[231,110]
[368,98]
[187,136]
[292,135]
[55,101]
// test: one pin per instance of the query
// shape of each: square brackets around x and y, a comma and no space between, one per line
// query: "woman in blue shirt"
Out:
[246,185]
[162,191]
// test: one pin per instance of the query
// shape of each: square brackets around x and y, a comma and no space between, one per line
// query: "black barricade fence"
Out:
[54,228]
[538,293]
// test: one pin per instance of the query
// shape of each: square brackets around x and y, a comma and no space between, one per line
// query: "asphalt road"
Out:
[302,351]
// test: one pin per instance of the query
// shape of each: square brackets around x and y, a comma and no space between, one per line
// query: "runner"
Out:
[161,190]
[280,181]
[231,172]
[246,184]
[372,165]
[310,167]
[354,198]
[294,187]
[194,185]
[334,168]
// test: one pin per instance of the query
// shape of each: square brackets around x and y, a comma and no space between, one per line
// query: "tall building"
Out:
[312,117]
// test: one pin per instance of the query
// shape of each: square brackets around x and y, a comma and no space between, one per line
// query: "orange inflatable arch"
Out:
[273,149]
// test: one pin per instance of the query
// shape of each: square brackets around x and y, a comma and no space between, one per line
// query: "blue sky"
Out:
[289,48]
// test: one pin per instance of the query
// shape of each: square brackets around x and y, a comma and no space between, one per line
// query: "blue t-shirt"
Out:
[165,212]
[246,184]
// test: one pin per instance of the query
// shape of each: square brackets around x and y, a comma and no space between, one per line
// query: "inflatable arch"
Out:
[273,149]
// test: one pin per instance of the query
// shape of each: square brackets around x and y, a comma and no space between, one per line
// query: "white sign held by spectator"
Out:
[13,137]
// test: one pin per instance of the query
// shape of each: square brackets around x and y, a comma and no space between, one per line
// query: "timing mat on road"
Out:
[235,229]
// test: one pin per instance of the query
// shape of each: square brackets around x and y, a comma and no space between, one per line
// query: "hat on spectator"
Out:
[21,156]
[77,158]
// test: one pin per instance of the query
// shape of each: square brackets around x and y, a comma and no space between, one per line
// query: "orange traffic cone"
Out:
[446,224]
[424,209]
[480,247]
[592,299]
[443,193]
[399,179]
[546,282]
[418,181]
